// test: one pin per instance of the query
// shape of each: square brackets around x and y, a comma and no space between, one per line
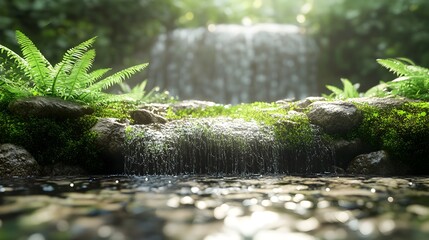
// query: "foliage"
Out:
[57,24]
[289,128]
[52,141]
[138,93]
[350,34]
[401,131]
[349,90]
[412,81]
[69,79]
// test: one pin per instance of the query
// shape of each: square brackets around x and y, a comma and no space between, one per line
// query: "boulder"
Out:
[335,117]
[16,161]
[143,116]
[374,163]
[346,150]
[48,107]
[110,140]
[382,103]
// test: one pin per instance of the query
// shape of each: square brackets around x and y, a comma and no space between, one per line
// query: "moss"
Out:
[401,131]
[120,110]
[292,129]
[52,141]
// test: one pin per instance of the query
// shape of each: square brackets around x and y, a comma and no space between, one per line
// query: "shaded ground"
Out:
[209,207]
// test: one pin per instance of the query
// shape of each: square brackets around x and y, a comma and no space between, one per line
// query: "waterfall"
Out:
[234,63]
[221,146]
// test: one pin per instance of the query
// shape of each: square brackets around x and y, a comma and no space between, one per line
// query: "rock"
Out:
[143,116]
[335,117]
[346,150]
[48,107]
[110,139]
[383,103]
[192,104]
[16,161]
[309,100]
[375,163]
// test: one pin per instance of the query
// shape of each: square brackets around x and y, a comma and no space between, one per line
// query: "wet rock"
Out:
[346,150]
[309,100]
[375,163]
[383,103]
[192,104]
[335,117]
[110,138]
[16,161]
[48,107]
[143,116]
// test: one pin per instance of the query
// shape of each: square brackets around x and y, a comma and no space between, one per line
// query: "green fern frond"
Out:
[117,77]
[62,69]
[79,72]
[400,68]
[96,75]
[38,67]
[19,61]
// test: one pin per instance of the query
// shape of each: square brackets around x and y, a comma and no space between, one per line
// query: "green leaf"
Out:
[39,68]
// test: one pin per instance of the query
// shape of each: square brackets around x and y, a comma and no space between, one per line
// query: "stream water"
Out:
[214,207]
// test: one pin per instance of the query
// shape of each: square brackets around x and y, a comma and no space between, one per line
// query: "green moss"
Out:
[293,129]
[401,131]
[120,110]
[53,141]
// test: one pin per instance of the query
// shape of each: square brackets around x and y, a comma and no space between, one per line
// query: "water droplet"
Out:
[187,200]
[373,190]
[117,181]
[327,189]
[146,179]
[71,184]
[390,199]
[307,225]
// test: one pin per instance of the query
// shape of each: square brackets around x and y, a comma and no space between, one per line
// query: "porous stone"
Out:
[16,161]
[335,117]
[309,100]
[382,103]
[48,107]
[143,116]
[110,139]
[374,163]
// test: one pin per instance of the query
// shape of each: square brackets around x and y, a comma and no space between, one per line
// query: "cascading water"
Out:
[234,64]
[221,146]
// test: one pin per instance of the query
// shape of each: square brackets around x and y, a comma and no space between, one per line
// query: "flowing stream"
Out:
[214,207]
[235,64]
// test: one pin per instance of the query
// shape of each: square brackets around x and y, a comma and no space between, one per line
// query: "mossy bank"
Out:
[288,130]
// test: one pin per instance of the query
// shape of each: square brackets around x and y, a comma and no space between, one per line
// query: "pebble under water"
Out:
[214,207]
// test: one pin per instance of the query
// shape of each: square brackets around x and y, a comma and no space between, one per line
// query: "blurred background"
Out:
[349,34]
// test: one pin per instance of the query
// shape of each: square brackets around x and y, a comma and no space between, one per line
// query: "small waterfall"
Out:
[221,146]
[234,63]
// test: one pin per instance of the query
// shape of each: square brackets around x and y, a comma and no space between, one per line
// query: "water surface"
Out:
[214,207]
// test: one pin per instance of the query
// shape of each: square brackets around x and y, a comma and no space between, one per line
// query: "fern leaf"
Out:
[19,61]
[95,76]
[117,77]
[39,68]
[63,68]
[395,66]
[79,72]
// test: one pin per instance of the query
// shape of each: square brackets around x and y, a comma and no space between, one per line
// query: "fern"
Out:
[349,90]
[412,81]
[69,79]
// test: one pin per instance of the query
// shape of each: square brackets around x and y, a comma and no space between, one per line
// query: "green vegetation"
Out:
[413,83]
[69,79]
[401,131]
[53,141]
[289,128]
